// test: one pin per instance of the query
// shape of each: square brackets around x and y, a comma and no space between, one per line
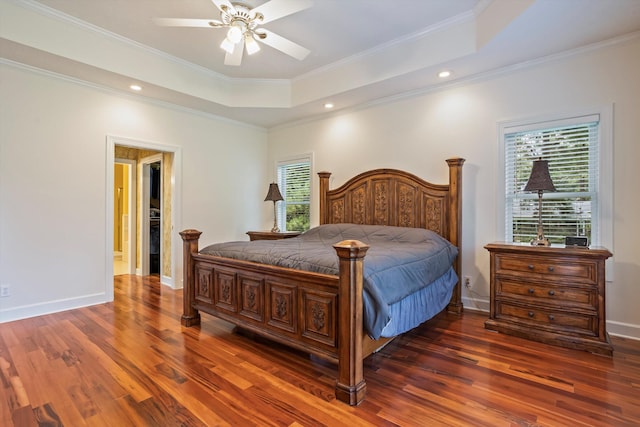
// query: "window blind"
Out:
[571,148]
[294,180]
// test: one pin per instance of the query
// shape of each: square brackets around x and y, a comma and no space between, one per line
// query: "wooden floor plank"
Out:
[130,362]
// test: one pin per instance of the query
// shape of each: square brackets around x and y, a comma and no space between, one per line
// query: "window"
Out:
[294,180]
[572,148]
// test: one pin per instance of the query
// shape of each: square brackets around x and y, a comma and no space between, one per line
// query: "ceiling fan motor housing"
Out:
[242,15]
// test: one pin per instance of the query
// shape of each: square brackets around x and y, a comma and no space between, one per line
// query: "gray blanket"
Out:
[400,260]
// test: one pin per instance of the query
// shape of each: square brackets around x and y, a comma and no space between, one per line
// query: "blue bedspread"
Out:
[400,260]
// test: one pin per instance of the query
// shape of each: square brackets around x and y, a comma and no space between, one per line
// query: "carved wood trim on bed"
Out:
[318,313]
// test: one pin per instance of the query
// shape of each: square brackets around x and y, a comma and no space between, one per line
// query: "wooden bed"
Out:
[318,313]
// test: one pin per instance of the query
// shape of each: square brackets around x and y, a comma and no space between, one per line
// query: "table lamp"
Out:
[540,181]
[274,195]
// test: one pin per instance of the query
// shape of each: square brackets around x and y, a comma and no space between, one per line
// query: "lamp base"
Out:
[275,228]
[540,241]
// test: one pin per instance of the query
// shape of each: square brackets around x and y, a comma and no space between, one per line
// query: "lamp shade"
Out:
[251,44]
[227,46]
[540,180]
[274,193]
[235,33]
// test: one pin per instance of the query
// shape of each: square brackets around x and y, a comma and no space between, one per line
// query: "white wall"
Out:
[417,134]
[53,168]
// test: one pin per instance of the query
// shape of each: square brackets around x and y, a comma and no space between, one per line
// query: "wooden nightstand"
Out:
[555,295]
[268,235]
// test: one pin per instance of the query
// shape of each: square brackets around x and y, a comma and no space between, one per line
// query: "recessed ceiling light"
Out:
[328,105]
[137,88]
[444,74]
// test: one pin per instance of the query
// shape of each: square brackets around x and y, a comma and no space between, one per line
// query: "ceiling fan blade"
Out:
[180,22]
[282,44]
[276,9]
[224,4]
[235,58]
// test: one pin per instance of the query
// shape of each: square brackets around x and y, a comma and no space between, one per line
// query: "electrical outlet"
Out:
[467,282]
[5,291]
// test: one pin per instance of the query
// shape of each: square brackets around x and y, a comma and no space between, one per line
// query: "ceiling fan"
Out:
[244,29]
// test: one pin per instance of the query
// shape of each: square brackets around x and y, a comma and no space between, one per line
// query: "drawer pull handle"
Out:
[531,291]
[552,293]
[551,317]
[530,266]
[531,314]
[550,268]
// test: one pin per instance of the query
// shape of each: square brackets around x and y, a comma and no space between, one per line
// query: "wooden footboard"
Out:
[297,308]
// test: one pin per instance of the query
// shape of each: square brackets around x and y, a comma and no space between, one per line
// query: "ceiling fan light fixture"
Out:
[227,46]
[251,45]
[234,35]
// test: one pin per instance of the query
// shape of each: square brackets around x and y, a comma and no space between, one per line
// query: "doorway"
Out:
[137,153]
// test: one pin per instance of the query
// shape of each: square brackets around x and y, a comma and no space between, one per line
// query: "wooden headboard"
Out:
[398,198]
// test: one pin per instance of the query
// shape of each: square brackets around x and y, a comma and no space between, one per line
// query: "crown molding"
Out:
[463,81]
[454,20]
[124,94]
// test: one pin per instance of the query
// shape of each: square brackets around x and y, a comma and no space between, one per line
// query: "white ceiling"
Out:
[361,50]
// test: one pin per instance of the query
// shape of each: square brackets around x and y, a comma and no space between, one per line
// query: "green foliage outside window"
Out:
[298,217]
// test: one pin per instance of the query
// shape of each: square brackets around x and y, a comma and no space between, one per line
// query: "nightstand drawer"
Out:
[583,297]
[548,318]
[548,268]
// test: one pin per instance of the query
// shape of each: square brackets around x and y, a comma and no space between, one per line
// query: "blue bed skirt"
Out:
[420,306]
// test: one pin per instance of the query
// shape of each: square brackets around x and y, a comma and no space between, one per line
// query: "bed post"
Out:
[190,315]
[350,387]
[324,189]
[455,227]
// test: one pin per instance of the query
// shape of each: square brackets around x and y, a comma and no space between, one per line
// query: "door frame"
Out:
[176,210]
[131,200]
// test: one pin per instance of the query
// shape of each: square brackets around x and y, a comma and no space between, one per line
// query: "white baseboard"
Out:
[167,281]
[624,330]
[475,304]
[40,309]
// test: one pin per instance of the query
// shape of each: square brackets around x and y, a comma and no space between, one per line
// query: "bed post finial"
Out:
[190,315]
[455,227]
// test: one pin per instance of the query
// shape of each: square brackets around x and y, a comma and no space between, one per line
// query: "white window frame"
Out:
[281,209]
[603,215]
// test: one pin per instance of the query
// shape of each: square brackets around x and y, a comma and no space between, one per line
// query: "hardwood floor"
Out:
[130,363]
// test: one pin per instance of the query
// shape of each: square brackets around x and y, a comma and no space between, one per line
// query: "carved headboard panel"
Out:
[394,197]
